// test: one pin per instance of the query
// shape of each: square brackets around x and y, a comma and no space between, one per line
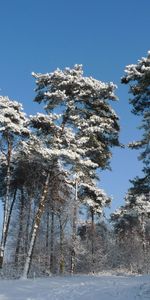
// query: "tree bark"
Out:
[47,237]
[144,245]
[35,228]
[74,231]
[52,243]
[92,239]
[20,233]
[28,226]
[62,261]
[9,216]
[6,205]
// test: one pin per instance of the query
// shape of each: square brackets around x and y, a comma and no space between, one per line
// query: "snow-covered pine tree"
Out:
[34,149]
[27,180]
[84,104]
[13,126]
[48,147]
[138,76]
[85,113]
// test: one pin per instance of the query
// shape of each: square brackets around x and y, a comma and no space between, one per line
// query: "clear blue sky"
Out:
[103,35]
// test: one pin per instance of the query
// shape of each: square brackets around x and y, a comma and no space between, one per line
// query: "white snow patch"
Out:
[85,287]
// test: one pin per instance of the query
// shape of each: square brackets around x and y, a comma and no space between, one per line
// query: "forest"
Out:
[53,208]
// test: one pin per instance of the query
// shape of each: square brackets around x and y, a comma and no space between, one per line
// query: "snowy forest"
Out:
[50,188]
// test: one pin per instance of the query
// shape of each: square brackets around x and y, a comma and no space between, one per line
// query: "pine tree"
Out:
[85,107]
[87,128]
[138,76]
[13,125]
[46,147]
[130,220]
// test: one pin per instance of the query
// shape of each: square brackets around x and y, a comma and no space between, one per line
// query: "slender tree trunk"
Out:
[6,205]
[20,233]
[62,262]
[52,243]
[35,228]
[142,221]
[92,239]
[144,248]
[8,222]
[47,237]
[9,216]
[28,227]
[74,231]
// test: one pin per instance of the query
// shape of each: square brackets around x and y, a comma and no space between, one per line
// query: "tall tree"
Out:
[138,76]
[87,121]
[44,146]
[13,125]
[132,217]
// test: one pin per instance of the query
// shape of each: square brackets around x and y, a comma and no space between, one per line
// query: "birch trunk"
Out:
[35,228]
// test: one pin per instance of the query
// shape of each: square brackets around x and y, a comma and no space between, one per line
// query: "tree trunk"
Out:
[47,260]
[28,226]
[142,221]
[74,231]
[20,233]
[62,262]
[52,243]
[35,228]
[10,213]
[6,205]
[144,248]
[92,239]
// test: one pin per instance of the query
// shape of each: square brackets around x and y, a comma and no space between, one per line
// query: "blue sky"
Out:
[104,36]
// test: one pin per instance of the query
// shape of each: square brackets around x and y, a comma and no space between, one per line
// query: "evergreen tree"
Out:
[138,76]
[13,126]
[47,147]
[88,126]
[85,107]
[130,220]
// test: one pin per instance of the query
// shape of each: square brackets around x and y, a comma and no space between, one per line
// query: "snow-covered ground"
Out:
[77,287]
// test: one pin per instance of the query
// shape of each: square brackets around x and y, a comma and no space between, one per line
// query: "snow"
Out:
[85,287]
